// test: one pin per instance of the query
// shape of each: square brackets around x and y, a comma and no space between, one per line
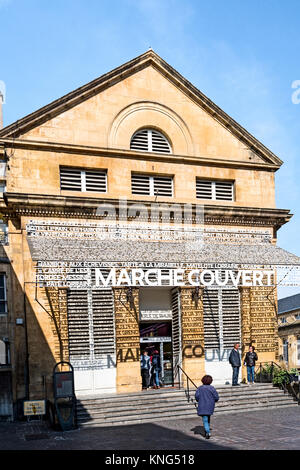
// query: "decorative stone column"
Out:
[127,339]
[193,362]
[259,323]
[246,339]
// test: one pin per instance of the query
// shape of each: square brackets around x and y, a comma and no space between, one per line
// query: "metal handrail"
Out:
[284,384]
[187,390]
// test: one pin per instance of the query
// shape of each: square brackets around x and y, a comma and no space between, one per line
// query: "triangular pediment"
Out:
[217,125]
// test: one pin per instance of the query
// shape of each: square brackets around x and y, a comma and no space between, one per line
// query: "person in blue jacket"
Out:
[206,395]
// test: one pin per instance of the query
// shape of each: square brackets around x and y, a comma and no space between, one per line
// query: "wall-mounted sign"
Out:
[155,314]
[156,339]
[34,407]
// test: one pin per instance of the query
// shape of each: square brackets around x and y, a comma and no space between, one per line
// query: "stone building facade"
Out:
[143,137]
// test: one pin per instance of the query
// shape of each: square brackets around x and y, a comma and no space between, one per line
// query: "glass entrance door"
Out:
[158,336]
[164,348]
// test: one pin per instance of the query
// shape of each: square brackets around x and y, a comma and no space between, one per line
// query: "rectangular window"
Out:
[3,300]
[148,185]
[76,179]
[285,351]
[214,190]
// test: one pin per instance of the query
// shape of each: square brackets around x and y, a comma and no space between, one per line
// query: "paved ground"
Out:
[277,429]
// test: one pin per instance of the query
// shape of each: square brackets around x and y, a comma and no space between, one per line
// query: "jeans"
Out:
[235,375]
[206,422]
[250,374]
[156,377]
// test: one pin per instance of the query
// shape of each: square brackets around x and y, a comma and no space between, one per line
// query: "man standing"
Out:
[235,361]
[145,370]
[249,361]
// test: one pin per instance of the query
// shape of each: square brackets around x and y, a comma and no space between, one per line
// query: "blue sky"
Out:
[244,55]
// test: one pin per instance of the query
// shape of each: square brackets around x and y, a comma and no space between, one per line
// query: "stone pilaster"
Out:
[127,340]
[57,300]
[263,323]
[192,335]
[259,323]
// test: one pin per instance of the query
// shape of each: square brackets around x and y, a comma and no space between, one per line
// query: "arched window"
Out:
[150,140]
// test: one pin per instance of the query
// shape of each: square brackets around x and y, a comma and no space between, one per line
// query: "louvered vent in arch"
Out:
[150,140]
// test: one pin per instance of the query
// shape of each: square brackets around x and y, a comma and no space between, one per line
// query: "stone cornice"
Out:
[149,58]
[130,154]
[15,205]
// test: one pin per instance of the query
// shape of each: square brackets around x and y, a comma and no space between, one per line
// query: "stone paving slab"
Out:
[278,429]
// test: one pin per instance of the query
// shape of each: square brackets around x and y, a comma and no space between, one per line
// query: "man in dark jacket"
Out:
[249,361]
[206,396]
[235,361]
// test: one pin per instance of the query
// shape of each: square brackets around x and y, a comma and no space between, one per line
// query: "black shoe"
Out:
[207,436]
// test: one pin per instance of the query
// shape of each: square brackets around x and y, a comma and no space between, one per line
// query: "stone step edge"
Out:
[94,423]
[177,403]
[167,399]
[158,395]
[184,409]
[169,391]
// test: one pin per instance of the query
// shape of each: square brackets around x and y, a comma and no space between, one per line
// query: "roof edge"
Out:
[149,57]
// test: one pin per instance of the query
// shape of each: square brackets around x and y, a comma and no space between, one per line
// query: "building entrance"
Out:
[158,337]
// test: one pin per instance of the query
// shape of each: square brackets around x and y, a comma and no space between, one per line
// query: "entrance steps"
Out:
[165,404]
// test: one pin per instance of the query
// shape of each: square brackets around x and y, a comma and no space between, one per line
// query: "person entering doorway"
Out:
[145,370]
[156,369]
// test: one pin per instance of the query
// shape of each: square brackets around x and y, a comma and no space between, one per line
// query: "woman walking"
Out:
[206,395]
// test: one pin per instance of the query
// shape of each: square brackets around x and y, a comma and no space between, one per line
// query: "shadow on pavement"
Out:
[148,436]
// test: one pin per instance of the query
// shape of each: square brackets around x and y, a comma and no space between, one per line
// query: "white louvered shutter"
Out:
[78,324]
[70,179]
[214,190]
[204,189]
[231,317]
[76,179]
[224,190]
[150,140]
[152,185]
[95,181]
[140,184]
[163,186]
[139,141]
[90,323]
[222,323]
[176,333]
[103,322]
[211,318]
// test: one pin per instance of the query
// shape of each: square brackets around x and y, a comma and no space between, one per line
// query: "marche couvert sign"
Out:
[182,277]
